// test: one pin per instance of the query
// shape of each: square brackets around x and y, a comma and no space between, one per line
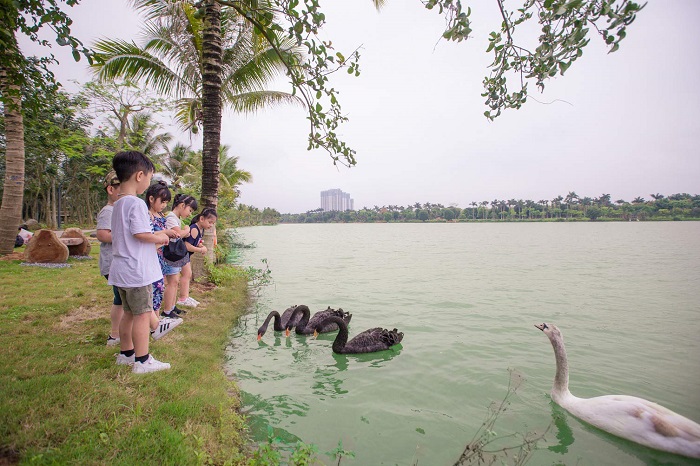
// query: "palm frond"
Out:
[251,102]
[121,59]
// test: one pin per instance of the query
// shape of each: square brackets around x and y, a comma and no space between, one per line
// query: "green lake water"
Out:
[626,297]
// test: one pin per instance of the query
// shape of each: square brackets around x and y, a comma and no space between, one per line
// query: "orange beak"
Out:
[315,333]
[259,337]
[286,332]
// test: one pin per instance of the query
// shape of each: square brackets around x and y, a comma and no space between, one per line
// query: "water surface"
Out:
[625,295]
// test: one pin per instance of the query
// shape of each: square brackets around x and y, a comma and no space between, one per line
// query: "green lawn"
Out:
[63,400]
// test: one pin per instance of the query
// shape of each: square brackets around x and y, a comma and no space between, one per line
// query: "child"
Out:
[134,260]
[157,197]
[183,206]
[104,236]
[193,242]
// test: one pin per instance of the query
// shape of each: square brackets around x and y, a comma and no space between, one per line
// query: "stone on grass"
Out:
[45,247]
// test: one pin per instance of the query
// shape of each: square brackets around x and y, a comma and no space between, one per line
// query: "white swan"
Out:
[629,417]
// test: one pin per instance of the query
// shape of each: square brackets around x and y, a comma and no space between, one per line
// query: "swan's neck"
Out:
[304,318]
[272,314]
[342,338]
[561,379]
[278,323]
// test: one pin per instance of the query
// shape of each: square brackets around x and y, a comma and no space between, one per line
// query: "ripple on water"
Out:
[466,296]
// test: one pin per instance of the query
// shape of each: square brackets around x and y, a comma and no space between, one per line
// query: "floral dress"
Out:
[158,224]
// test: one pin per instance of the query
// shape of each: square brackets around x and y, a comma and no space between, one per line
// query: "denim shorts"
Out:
[169,269]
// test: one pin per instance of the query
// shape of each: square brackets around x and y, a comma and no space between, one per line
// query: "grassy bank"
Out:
[65,401]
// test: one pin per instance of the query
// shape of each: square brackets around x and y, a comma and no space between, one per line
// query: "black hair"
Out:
[208,212]
[127,163]
[158,190]
[185,199]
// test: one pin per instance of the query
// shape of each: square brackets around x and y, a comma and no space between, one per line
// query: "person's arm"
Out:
[158,237]
[172,233]
[104,236]
[191,247]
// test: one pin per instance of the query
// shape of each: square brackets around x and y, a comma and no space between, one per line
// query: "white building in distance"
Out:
[335,199]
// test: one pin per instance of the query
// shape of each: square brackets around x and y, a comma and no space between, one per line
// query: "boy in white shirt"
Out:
[135,263]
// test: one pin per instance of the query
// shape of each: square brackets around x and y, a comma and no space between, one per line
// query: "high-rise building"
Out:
[335,199]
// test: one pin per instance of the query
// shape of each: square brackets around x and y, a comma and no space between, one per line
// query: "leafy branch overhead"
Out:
[564,32]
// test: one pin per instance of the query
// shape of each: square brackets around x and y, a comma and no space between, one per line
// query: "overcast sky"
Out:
[626,124]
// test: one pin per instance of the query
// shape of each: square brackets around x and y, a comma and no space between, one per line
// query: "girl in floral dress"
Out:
[157,197]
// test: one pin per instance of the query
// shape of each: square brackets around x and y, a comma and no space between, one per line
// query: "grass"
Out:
[65,401]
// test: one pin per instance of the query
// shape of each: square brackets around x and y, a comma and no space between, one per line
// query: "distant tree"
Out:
[594,212]
[423,215]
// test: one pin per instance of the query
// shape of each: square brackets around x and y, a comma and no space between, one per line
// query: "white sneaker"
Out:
[189,302]
[151,365]
[125,360]
[165,325]
[111,341]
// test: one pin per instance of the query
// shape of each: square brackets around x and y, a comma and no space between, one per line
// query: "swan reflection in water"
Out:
[328,379]
[277,342]
[562,430]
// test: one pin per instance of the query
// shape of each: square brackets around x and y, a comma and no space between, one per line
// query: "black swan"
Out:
[280,321]
[369,341]
[304,326]
[629,417]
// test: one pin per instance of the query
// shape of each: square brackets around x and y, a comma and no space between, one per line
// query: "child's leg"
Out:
[141,330]
[153,320]
[125,328]
[116,317]
[185,281]
[170,295]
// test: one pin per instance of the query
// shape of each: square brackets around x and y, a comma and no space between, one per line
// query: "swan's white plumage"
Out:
[629,417]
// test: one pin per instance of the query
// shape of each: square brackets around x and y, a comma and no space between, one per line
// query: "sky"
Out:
[625,124]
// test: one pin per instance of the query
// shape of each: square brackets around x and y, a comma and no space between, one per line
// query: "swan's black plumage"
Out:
[306,326]
[280,321]
[369,341]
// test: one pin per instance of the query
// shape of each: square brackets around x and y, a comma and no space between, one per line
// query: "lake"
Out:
[626,297]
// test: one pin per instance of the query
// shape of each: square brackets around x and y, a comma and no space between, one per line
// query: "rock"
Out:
[81,249]
[32,225]
[45,247]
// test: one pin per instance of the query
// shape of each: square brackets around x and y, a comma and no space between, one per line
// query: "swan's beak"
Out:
[542,326]
[259,337]
[315,333]
[286,332]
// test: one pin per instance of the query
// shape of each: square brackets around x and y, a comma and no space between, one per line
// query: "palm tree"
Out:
[141,133]
[229,173]
[178,165]
[13,189]
[483,205]
[203,62]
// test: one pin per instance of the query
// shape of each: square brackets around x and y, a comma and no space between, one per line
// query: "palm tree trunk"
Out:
[212,58]
[13,192]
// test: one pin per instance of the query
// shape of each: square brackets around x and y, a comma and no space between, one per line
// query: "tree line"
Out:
[70,140]
[572,207]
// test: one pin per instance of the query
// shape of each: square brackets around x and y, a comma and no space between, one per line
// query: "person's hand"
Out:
[185,233]
[171,233]
[162,238]
[203,249]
